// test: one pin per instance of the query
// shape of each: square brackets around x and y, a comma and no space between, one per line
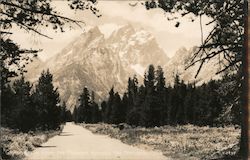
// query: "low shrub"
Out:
[15,144]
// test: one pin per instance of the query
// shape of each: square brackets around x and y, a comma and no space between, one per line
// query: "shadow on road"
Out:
[47,146]
[66,135]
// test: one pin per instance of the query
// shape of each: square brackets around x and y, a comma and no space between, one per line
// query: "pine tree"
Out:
[201,110]
[109,105]
[46,99]
[149,80]
[232,111]
[69,116]
[125,108]
[150,109]
[116,112]
[165,107]
[160,104]
[95,112]
[141,96]
[213,102]
[175,108]
[80,110]
[75,115]
[7,104]
[132,91]
[104,111]
[86,105]
[189,105]
[170,108]
[160,80]
[136,115]
[24,114]
[181,93]
[84,110]
[92,97]
[63,112]
[135,88]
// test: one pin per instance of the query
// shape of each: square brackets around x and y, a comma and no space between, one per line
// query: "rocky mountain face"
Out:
[178,63]
[100,63]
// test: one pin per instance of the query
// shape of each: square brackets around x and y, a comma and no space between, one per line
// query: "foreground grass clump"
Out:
[14,145]
[179,142]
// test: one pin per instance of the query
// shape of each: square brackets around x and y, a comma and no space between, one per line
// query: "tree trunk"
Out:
[244,125]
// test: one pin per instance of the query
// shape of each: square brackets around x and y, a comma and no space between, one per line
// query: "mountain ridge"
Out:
[101,63]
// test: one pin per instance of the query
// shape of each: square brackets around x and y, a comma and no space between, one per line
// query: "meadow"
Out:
[177,142]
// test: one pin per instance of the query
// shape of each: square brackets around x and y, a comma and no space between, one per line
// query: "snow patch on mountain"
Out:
[141,37]
[68,54]
[108,28]
[138,69]
[100,60]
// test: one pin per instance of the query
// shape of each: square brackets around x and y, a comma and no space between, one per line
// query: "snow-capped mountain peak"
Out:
[100,63]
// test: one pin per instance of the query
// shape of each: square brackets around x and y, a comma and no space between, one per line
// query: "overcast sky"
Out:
[114,14]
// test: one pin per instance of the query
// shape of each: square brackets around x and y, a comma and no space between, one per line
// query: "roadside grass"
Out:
[178,142]
[14,145]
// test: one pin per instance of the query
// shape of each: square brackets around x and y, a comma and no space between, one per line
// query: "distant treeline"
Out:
[28,109]
[155,104]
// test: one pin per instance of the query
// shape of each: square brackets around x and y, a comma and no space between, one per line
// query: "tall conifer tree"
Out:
[46,99]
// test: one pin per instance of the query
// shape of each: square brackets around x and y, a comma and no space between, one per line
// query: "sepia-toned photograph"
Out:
[124,79]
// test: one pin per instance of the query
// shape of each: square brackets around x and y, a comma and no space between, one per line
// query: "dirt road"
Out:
[78,143]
